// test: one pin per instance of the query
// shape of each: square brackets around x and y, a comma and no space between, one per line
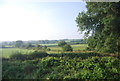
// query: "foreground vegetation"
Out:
[40,65]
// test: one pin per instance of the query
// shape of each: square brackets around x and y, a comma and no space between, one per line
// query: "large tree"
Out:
[102,20]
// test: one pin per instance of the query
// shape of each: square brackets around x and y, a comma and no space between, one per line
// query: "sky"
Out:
[33,20]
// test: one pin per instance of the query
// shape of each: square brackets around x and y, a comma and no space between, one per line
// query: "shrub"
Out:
[50,61]
[29,68]
[18,56]
[67,48]
[48,49]
[62,43]
[38,54]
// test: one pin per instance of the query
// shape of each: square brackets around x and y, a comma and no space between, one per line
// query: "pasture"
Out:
[6,52]
[76,47]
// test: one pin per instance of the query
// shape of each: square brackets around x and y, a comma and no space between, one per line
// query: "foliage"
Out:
[7,52]
[102,20]
[29,46]
[19,43]
[90,66]
[32,55]
[38,54]
[67,48]
[62,43]
[18,56]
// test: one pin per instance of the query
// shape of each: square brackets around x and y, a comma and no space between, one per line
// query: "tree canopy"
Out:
[62,43]
[67,48]
[101,20]
[19,43]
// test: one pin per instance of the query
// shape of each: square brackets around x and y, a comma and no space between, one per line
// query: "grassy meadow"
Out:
[6,52]
[76,47]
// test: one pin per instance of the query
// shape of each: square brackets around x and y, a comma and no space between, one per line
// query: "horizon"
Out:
[39,40]
[40,20]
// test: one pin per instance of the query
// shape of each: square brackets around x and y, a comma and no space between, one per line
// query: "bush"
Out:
[18,56]
[50,61]
[12,70]
[48,49]
[29,68]
[67,48]
[38,54]
[62,43]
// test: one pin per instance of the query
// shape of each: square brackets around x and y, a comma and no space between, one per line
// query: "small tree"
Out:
[67,48]
[19,43]
[62,43]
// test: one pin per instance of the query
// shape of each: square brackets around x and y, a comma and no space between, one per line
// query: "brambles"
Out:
[38,54]
[63,66]
[18,56]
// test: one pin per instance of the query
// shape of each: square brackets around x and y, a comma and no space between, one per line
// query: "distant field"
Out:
[6,52]
[76,47]
[55,44]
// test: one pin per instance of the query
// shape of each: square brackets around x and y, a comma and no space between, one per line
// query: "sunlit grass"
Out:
[6,52]
[78,47]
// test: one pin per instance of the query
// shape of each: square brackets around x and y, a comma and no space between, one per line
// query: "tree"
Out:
[102,20]
[19,43]
[67,48]
[29,45]
[62,43]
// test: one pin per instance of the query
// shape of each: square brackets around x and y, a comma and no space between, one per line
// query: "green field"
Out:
[77,47]
[6,52]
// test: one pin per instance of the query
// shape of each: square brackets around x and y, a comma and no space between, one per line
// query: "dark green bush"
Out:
[50,61]
[18,56]
[29,68]
[38,54]
[67,48]
[12,70]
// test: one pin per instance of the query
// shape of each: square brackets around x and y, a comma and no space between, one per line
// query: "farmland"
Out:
[6,52]
[57,64]
[94,57]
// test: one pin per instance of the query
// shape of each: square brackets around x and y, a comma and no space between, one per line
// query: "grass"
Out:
[6,52]
[78,47]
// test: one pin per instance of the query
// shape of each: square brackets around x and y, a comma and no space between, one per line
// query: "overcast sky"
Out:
[25,20]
